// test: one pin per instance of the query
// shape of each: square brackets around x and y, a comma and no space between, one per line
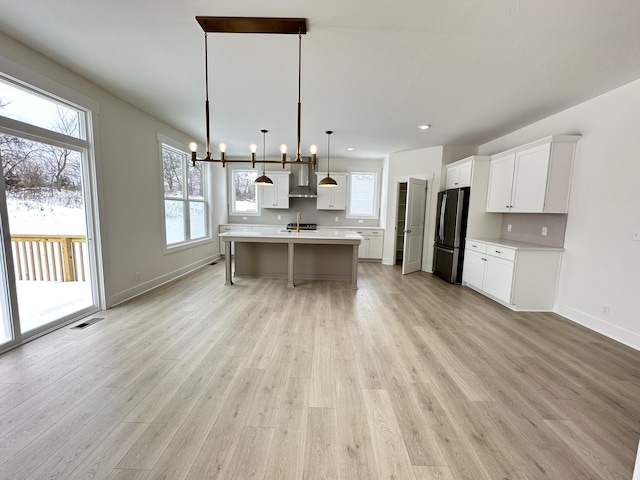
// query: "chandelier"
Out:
[285,26]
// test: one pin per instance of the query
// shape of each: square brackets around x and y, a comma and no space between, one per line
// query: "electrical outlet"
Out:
[509,228]
[137,276]
[636,237]
[544,230]
[605,310]
[244,218]
[336,219]
[279,217]
[360,221]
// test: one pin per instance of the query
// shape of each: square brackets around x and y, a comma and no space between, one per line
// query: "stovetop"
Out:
[303,226]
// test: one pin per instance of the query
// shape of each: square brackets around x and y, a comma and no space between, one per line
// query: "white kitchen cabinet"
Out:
[276,195]
[534,178]
[371,245]
[489,271]
[459,174]
[474,268]
[520,276]
[332,198]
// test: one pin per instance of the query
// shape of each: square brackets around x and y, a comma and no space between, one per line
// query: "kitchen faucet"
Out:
[298,218]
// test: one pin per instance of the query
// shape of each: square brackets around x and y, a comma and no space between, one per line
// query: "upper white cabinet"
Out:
[459,174]
[473,172]
[534,178]
[332,198]
[276,195]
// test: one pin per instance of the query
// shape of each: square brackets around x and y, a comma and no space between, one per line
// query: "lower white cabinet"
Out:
[371,245]
[520,276]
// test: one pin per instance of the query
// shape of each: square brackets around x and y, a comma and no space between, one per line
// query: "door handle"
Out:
[407,231]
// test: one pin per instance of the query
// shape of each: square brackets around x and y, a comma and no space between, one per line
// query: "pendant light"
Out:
[328,181]
[263,179]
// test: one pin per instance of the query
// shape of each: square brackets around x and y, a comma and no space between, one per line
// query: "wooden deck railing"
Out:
[49,258]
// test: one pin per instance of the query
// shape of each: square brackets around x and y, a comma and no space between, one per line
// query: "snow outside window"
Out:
[185,207]
[363,191]
[243,192]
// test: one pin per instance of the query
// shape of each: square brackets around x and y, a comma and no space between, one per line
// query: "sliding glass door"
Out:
[49,256]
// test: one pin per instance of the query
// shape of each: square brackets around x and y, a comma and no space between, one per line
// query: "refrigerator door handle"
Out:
[443,208]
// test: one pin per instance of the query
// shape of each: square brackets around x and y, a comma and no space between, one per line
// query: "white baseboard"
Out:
[138,290]
[622,335]
[388,261]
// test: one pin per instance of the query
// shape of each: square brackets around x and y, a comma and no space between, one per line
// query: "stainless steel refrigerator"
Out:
[451,228]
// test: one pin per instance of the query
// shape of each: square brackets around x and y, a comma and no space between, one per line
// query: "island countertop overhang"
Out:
[291,236]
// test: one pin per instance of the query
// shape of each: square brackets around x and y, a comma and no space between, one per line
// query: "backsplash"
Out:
[310,214]
[527,227]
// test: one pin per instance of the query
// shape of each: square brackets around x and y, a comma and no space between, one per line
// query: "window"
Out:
[185,207]
[243,193]
[34,109]
[363,194]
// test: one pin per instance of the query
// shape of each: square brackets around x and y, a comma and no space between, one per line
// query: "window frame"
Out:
[231,194]
[376,193]
[168,142]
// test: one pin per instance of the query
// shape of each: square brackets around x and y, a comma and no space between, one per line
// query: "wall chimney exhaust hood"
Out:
[302,190]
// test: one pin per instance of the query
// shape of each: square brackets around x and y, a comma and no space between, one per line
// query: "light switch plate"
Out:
[508,227]
[636,237]
[544,230]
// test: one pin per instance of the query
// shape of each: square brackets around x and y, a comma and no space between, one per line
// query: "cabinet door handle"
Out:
[498,251]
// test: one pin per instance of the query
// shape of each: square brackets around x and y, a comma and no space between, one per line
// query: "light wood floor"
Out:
[405,378]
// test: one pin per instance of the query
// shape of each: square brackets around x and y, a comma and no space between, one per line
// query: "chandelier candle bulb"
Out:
[313,149]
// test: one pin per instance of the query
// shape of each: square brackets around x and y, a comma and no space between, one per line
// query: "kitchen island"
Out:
[314,255]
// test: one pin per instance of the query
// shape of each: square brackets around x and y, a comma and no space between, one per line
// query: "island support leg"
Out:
[354,268]
[290,270]
[227,263]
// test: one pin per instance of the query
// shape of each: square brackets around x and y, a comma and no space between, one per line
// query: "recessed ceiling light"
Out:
[350,149]
[423,127]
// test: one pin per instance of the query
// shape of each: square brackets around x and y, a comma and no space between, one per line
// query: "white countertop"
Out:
[304,236]
[514,244]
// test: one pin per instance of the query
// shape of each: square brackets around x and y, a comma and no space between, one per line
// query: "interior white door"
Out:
[414,225]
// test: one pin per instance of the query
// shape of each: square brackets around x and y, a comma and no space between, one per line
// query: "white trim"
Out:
[231,195]
[173,143]
[164,140]
[25,76]
[622,335]
[376,193]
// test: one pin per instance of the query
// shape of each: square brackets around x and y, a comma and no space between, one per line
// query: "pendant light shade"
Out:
[328,181]
[263,179]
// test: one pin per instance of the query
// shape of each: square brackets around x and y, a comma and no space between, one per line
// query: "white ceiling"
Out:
[372,70]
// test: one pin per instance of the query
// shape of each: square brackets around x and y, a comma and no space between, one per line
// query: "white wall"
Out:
[129,179]
[425,164]
[601,263]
